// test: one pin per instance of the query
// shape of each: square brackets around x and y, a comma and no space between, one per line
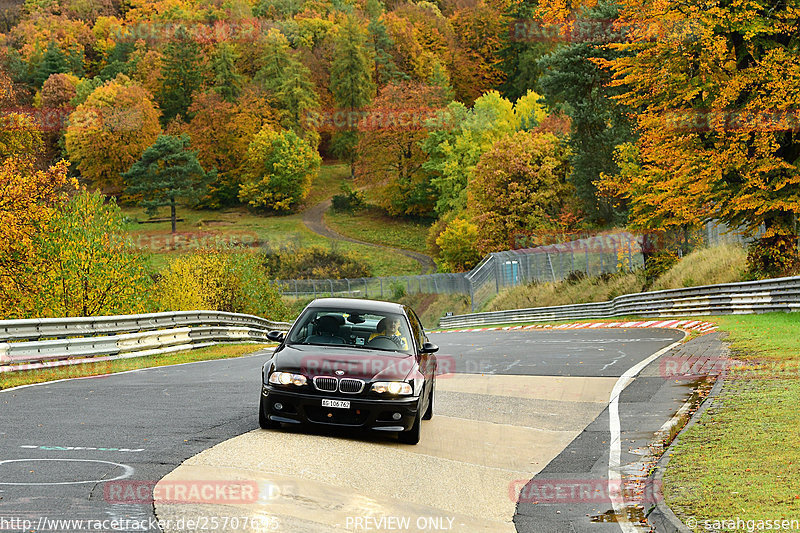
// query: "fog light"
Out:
[278,406]
[397,416]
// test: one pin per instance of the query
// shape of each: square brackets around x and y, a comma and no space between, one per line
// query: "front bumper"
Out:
[377,414]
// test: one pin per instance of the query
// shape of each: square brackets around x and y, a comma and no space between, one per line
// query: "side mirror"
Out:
[276,336]
[429,347]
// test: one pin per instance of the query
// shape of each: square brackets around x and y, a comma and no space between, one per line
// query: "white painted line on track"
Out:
[127,472]
[615,448]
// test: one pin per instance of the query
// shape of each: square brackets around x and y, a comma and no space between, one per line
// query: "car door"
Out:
[427,361]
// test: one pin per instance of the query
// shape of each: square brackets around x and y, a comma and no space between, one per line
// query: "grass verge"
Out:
[741,460]
[706,266]
[373,225]
[28,377]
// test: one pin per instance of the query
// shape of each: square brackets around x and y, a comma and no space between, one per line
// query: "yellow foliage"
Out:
[28,201]
[232,281]
[109,132]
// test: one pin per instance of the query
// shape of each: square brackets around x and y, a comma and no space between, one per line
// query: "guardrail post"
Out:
[366,289]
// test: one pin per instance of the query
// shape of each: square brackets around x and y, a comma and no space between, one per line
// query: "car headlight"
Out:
[395,388]
[287,378]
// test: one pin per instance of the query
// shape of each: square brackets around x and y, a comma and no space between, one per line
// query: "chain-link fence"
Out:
[716,233]
[591,256]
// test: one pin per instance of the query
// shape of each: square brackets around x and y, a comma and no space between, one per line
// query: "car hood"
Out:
[358,363]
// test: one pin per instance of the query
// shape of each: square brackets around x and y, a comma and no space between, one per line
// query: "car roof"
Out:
[359,304]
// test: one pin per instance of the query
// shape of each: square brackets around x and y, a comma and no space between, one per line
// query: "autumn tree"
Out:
[58,90]
[458,248]
[221,133]
[218,279]
[279,170]
[166,173]
[390,155]
[20,136]
[478,30]
[351,83]
[455,149]
[29,199]
[91,269]
[717,96]
[108,132]
[519,184]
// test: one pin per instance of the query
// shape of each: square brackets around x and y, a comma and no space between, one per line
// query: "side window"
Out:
[416,326]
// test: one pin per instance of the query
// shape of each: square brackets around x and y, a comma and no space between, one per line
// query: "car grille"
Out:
[345,385]
[350,385]
[325,384]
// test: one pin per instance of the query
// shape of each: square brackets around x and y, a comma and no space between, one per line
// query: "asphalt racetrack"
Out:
[513,409]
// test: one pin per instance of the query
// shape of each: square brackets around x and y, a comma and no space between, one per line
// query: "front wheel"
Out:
[263,420]
[412,435]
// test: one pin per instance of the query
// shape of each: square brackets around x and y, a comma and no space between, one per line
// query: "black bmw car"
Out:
[354,363]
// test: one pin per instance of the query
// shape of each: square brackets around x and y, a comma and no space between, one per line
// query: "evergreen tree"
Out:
[54,61]
[275,59]
[288,85]
[118,61]
[440,79]
[571,80]
[386,70]
[166,172]
[181,75]
[527,42]
[296,99]
[227,81]
[351,83]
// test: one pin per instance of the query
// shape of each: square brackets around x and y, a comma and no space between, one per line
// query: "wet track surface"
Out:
[518,404]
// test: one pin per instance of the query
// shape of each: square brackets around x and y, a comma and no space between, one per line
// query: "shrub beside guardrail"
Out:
[781,294]
[43,342]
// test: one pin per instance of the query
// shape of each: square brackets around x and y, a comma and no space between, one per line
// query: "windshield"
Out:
[377,331]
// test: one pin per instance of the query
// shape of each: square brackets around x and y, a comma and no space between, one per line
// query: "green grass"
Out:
[327,183]
[374,225]
[237,226]
[765,337]
[27,377]
[741,459]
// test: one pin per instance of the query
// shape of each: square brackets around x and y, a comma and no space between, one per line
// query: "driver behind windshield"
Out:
[390,327]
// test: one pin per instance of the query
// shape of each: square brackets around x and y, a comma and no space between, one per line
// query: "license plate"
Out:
[339,404]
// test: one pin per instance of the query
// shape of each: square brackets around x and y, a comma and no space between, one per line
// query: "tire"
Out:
[263,421]
[412,435]
[429,411]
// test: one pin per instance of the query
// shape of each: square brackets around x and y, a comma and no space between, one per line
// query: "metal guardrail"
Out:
[749,297]
[62,339]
